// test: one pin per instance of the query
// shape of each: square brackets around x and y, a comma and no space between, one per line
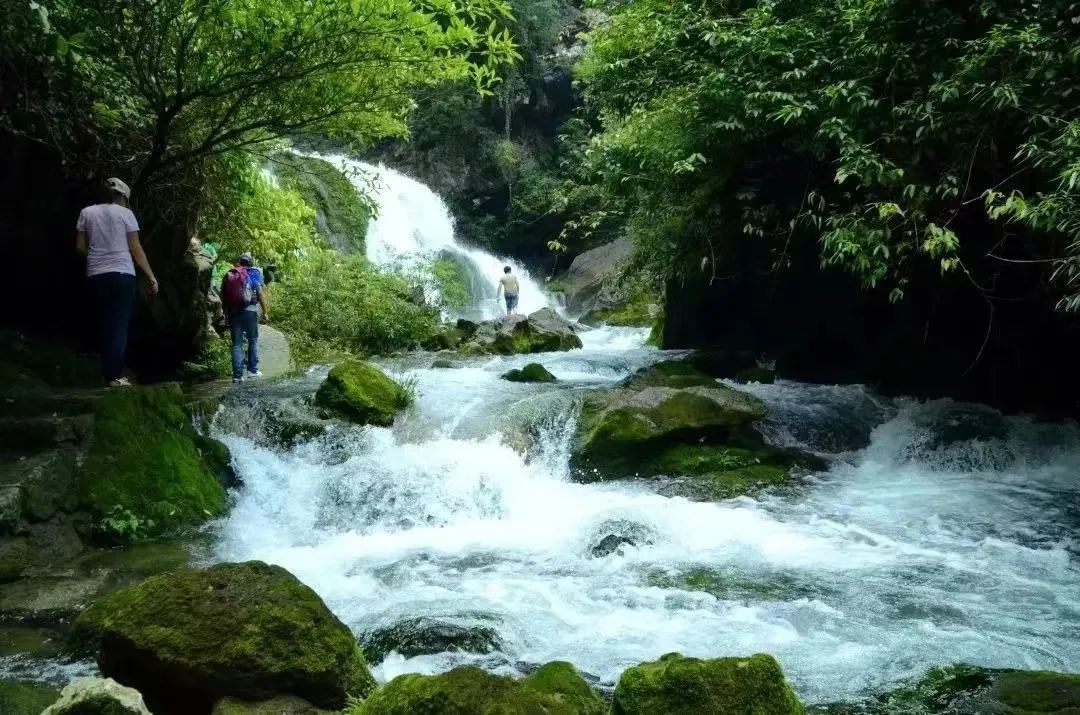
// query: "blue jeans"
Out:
[244,324]
[114,299]
[511,301]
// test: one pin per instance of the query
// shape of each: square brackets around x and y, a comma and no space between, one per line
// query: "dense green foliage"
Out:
[164,85]
[902,136]
[342,212]
[335,303]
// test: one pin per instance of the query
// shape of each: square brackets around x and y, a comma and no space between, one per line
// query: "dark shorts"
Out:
[511,301]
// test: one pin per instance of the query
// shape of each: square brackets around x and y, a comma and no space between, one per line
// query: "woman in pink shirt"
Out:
[108,235]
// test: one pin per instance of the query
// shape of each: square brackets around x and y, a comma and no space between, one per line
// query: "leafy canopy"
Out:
[898,134]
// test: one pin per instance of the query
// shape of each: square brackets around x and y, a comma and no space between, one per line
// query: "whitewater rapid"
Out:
[414,227]
[940,532]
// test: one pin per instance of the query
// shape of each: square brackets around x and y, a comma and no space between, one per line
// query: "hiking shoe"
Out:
[237,380]
[120,382]
[253,375]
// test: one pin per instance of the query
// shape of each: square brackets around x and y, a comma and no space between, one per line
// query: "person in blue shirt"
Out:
[244,323]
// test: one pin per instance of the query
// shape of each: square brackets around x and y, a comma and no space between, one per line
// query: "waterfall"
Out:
[414,228]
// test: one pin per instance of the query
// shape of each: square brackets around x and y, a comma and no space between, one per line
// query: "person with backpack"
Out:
[243,294]
[108,235]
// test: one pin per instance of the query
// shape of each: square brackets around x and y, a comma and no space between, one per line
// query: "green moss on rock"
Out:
[146,457]
[341,214]
[361,393]
[281,705]
[533,372]
[967,688]
[620,429]
[675,685]
[669,373]
[562,680]
[20,698]
[422,636]
[248,630]
[472,691]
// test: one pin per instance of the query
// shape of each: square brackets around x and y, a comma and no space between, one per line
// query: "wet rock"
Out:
[969,689]
[610,544]
[588,273]
[361,393]
[617,428]
[669,373]
[49,599]
[722,363]
[289,422]
[250,630]
[443,364]
[20,698]
[423,636]
[542,331]
[29,642]
[720,686]
[282,705]
[533,372]
[98,696]
[555,689]
[34,488]
[755,374]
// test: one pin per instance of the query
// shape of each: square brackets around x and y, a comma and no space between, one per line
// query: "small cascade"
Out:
[414,228]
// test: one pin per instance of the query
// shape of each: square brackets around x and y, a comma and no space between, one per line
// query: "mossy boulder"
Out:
[361,393]
[533,372]
[722,363]
[146,458]
[965,688]
[555,689]
[669,373]
[721,472]
[755,374]
[675,685]
[21,698]
[620,428]
[249,630]
[423,635]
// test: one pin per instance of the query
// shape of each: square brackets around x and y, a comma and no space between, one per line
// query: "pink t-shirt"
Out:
[106,227]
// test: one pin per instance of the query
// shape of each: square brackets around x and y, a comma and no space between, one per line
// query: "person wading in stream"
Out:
[508,287]
[108,235]
[242,295]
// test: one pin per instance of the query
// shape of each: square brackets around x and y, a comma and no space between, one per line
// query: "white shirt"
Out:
[106,227]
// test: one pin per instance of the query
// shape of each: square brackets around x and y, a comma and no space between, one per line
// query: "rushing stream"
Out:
[941,532]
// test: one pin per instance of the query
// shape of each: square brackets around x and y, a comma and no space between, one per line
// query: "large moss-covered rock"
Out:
[19,698]
[423,635]
[675,685]
[146,458]
[361,393]
[969,689]
[533,372]
[618,428]
[555,689]
[98,696]
[248,630]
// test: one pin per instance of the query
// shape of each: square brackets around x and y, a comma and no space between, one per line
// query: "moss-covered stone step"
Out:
[147,469]
[676,685]
[250,630]
[555,689]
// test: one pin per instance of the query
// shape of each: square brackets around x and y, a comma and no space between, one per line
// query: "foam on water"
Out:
[915,550]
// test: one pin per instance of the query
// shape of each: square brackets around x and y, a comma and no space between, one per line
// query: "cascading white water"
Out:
[414,228]
[945,537]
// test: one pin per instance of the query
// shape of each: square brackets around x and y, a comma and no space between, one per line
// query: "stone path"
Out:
[274,356]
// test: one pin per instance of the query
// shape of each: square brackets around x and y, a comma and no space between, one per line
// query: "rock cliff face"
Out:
[585,289]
